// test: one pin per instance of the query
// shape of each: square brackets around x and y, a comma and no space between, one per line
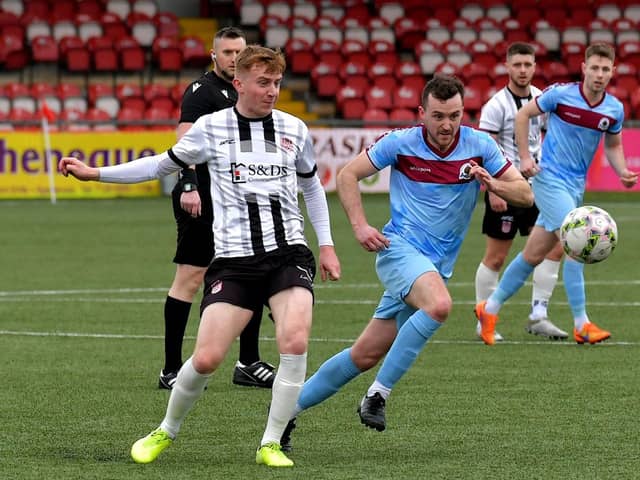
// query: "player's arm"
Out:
[315,201]
[350,197]
[528,166]
[189,198]
[510,185]
[615,155]
[136,171]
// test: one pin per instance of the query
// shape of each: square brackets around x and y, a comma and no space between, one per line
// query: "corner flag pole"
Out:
[46,114]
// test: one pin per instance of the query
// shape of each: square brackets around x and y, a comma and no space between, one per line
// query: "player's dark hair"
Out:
[520,48]
[229,32]
[252,55]
[442,87]
[601,49]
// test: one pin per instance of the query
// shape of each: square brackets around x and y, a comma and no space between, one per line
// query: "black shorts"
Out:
[504,225]
[249,282]
[195,235]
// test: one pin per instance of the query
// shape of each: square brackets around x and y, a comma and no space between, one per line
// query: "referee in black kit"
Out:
[193,211]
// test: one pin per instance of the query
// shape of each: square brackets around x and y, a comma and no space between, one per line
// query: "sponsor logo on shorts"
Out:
[216,287]
[305,275]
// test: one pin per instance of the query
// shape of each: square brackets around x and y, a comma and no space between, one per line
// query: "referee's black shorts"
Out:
[249,282]
[195,235]
[505,225]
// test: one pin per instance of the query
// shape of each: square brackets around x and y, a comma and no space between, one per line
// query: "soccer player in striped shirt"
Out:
[258,159]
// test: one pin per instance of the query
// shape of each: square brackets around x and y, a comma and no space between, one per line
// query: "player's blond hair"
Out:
[252,55]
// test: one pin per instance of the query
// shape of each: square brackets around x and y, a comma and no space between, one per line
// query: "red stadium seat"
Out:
[375,117]
[113,26]
[377,97]
[626,77]
[44,49]
[406,97]
[131,53]
[324,77]
[404,116]
[194,52]
[300,55]
[167,54]
[166,24]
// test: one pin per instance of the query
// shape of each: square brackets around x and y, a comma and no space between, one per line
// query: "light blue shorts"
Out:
[400,265]
[391,308]
[554,201]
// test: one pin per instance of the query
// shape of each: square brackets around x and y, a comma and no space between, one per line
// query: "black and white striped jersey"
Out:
[498,117]
[254,165]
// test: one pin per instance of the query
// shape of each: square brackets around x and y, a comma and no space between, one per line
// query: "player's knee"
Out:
[294,343]
[206,361]
[440,309]
[495,261]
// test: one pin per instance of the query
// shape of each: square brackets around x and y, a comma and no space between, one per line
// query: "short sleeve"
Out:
[190,147]
[491,117]
[306,161]
[383,152]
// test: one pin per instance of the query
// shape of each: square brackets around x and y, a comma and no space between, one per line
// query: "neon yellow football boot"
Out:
[147,449]
[271,455]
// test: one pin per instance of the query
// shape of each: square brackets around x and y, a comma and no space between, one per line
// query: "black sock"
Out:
[249,351]
[176,315]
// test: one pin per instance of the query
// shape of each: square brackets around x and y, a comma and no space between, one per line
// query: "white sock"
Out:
[579,322]
[285,392]
[486,282]
[187,389]
[545,277]
[377,387]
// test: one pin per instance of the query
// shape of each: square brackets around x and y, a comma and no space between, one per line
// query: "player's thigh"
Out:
[554,201]
[430,294]
[400,265]
[220,325]
[292,313]
[539,244]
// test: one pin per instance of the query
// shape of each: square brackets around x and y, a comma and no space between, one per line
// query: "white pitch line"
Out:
[318,302]
[318,286]
[313,339]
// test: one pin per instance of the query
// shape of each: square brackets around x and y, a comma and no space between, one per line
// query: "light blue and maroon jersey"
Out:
[431,194]
[574,130]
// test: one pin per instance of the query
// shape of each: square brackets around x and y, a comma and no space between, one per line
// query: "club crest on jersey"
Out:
[287,144]
[604,124]
[465,172]
[216,287]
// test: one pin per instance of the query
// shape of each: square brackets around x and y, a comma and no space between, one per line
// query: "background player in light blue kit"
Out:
[579,115]
[436,173]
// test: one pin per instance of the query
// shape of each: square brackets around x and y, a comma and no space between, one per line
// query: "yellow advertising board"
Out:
[24,172]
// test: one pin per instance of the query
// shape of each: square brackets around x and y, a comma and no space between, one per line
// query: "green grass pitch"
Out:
[81,299]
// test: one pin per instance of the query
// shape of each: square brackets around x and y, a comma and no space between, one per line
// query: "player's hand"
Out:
[498,204]
[628,178]
[74,167]
[370,238]
[528,167]
[190,202]
[329,263]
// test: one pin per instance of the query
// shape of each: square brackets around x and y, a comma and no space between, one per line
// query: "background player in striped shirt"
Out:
[502,221]
[258,159]
[580,114]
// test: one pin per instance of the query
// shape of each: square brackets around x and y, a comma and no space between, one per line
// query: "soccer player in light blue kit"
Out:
[579,115]
[436,173]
